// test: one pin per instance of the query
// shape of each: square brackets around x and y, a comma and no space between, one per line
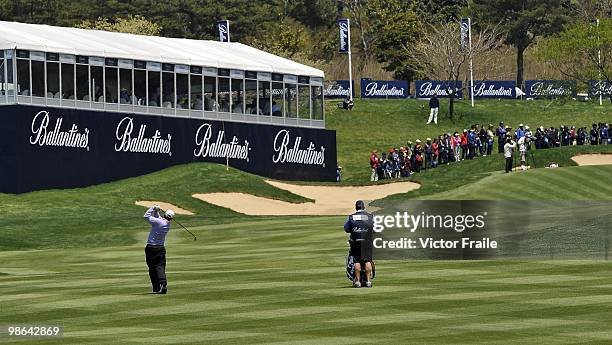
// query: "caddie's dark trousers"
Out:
[156,261]
[508,164]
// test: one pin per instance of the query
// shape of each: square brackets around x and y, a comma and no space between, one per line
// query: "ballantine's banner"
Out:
[343,26]
[495,89]
[599,87]
[44,147]
[384,88]
[337,89]
[223,30]
[427,88]
[465,33]
[550,88]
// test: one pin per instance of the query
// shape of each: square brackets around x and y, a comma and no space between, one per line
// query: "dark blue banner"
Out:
[44,147]
[599,87]
[441,88]
[384,88]
[223,30]
[495,89]
[465,33]
[337,89]
[550,88]
[345,35]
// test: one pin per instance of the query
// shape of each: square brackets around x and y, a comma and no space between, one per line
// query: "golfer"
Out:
[360,226]
[155,251]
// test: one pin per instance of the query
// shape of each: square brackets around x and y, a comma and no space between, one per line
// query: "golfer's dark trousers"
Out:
[508,164]
[156,261]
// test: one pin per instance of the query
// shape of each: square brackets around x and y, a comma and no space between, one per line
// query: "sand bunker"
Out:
[329,200]
[593,159]
[164,206]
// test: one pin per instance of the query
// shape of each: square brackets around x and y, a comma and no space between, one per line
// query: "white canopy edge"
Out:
[75,41]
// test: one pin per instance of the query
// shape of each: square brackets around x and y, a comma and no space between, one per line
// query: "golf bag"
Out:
[350,269]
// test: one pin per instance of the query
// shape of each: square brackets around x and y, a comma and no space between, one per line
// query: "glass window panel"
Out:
[10,87]
[38,78]
[168,90]
[317,103]
[2,84]
[291,100]
[250,93]
[97,83]
[264,98]
[224,95]
[82,86]
[67,81]
[210,94]
[53,86]
[154,89]
[140,87]
[238,96]
[197,103]
[111,84]
[304,101]
[182,91]
[23,77]
[278,100]
[125,86]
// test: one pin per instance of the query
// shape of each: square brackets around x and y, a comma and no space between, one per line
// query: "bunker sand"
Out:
[328,200]
[164,206]
[593,159]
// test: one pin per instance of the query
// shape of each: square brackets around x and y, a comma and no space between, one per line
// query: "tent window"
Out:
[182,91]
[111,83]
[278,102]
[97,83]
[125,86]
[140,87]
[251,96]
[53,90]
[38,78]
[238,96]
[224,95]
[304,101]
[264,98]
[168,89]
[197,103]
[23,77]
[2,79]
[291,100]
[210,94]
[317,103]
[67,81]
[154,89]
[82,86]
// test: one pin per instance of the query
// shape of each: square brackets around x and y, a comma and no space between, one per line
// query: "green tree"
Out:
[523,21]
[132,24]
[583,51]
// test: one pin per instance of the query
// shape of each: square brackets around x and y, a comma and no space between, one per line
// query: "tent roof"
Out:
[75,41]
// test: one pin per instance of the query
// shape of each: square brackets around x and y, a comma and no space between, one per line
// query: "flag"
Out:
[345,35]
[465,33]
[223,30]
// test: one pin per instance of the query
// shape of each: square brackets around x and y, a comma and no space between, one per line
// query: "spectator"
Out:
[435,147]
[464,144]
[501,136]
[490,136]
[471,141]
[428,154]
[417,156]
[374,165]
[456,146]
[594,135]
[520,132]
[434,106]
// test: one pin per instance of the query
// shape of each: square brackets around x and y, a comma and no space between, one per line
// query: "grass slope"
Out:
[104,215]
[282,282]
[380,124]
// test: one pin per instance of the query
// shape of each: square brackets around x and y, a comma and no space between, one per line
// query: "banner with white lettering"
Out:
[550,88]
[494,89]
[223,30]
[599,87]
[345,41]
[66,148]
[335,89]
[384,88]
[441,88]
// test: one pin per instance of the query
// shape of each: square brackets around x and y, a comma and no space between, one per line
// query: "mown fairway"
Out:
[282,281]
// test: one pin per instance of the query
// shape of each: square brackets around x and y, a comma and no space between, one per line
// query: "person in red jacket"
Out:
[374,165]
[464,144]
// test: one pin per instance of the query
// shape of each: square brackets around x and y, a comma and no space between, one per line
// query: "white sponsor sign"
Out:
[43,135]
[296,154]
[126,142]
[219,148]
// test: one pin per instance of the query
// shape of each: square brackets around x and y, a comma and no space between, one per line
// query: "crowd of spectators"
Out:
[478,140]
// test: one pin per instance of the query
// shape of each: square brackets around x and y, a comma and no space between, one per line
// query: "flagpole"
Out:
[471,65]
[599,67]
[348,22]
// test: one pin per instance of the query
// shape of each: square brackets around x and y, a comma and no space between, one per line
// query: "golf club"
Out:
[182,226]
